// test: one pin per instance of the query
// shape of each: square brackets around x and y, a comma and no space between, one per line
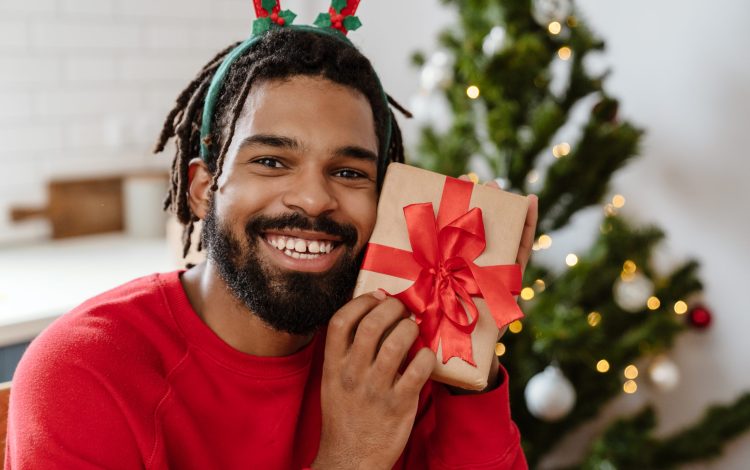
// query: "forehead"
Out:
[314,110]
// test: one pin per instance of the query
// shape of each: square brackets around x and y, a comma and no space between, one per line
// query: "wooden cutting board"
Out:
[80,207]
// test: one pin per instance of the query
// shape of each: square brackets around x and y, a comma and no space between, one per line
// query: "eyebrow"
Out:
[278,141]
[353,151]
[270,140]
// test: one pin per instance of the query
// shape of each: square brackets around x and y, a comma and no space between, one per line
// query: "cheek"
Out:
[236,204]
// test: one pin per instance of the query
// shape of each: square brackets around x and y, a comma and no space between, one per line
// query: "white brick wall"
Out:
[85,85]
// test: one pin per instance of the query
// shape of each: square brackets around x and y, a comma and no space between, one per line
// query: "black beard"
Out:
[293,302]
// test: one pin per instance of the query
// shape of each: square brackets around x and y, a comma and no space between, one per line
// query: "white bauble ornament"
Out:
[664,373]
[494,41]
[549,395]
[631,295]
[547,11]
[432,109]
[437,72]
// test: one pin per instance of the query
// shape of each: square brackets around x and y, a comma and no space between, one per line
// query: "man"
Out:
[229,364]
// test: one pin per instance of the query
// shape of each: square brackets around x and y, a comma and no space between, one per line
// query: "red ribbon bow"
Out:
[445,276]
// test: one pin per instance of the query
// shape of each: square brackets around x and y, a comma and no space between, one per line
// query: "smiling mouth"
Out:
[301,248]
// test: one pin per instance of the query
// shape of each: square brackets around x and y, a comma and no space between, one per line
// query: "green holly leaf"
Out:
[338,5]
[351,23]
[323,20]
[261,25]
[288,16]
[268,5]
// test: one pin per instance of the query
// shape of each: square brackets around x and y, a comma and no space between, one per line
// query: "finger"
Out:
[393,352]
[529,232]
[371,329]
[344,321]
[416,374]
[464,178]
[492,184]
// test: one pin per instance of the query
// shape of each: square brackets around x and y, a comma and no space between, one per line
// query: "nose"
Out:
[311,193]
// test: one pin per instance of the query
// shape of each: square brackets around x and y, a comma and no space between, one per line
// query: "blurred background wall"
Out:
[85,84]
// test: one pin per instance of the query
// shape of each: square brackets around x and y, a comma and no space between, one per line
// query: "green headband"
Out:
[218,80]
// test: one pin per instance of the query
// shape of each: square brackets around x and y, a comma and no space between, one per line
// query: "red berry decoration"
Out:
[699,317]
[281,21]
[337,24]
[274,17]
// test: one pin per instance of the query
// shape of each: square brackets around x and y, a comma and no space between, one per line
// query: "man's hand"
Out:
[529,232]
[368,407]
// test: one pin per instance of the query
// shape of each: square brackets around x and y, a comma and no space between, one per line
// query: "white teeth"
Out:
[305,249]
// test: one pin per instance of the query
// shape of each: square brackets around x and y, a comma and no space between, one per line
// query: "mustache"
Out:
[293,220]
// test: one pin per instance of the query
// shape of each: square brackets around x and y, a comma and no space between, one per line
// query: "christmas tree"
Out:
[503,96]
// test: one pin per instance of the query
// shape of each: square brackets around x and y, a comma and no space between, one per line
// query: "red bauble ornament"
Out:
[699,317]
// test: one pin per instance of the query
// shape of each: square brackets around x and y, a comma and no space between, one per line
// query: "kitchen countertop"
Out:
[40,282]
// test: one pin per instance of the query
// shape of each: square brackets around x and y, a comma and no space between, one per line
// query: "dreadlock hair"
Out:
[279,54]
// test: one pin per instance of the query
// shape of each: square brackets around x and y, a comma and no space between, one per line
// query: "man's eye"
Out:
[350,174]
[269,162]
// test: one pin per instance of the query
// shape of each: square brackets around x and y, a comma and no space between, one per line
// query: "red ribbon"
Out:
[441,264]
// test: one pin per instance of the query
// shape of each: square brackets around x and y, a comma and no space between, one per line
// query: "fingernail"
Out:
[379,294]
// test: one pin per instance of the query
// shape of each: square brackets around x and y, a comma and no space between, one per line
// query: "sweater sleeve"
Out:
[62,413]
[465,432]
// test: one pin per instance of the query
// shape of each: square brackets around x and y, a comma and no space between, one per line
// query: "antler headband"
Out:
[336,23]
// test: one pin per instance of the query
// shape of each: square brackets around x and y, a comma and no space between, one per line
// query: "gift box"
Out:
[447,248]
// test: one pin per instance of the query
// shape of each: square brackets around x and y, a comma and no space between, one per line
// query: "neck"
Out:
[231,320]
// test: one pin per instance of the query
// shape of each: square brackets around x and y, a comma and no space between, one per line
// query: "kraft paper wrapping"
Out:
[503,215]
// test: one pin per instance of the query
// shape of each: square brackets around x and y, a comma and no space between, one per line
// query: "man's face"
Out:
[296,201]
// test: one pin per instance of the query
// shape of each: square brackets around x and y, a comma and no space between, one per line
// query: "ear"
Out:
[199,187]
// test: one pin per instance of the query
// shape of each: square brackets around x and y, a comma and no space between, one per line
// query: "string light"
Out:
[630,386]
[545,241]
[631,372]
[515,327]
[680,307]
[499,349]
[473,178]
[561,150]
[533,176]
[472,92]
[618,200]
[602,366]
[564,53]
[554,27]
[535,246]
[610,210]
[629,267]
[540,285]
[527,293]
[653,303]
[571,260]
[594,318]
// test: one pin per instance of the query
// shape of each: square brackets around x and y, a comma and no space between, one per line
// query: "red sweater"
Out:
[134,379]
